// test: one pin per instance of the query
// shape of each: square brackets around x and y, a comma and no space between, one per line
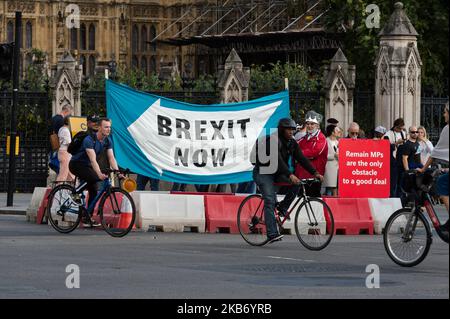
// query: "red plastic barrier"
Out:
[351,216]
[43,208]
[221,213]
[199,193]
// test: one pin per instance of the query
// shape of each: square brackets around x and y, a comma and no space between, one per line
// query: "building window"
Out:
[152,36]
[91,37]
[73,39]
[153,65]
[83,64]
[144,39]
[144,65]
[83,37]
[10,31]
[134,62]
[91,65]
[28,35]
[135,39]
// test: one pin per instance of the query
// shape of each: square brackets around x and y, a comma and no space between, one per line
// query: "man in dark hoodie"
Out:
[277,166]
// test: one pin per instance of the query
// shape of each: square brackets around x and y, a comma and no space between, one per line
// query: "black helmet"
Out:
[287,123]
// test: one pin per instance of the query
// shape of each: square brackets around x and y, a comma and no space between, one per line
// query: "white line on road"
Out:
[284,258]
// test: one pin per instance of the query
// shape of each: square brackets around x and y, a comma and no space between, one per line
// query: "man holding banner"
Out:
[283,153]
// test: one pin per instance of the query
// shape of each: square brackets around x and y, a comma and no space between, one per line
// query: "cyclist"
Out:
[441,153]
[276,168]
[84,163]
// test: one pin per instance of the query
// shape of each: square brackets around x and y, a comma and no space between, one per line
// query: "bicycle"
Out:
[116,208]
[314,227]
[407,236]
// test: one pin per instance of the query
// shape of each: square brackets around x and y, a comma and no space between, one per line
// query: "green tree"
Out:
[430,18]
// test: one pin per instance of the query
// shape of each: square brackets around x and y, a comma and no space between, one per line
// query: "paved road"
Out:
[33,261]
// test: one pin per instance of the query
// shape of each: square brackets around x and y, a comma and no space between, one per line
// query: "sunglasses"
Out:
[413,132]
[353,133]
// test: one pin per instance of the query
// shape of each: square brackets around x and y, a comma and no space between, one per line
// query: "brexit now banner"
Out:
[188,143]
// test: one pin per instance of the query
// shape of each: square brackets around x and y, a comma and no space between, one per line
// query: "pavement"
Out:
[20,204]
[34,259]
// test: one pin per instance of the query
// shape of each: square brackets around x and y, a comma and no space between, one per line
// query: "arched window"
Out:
[152,65]
[143,39]
[134,62]
[144,65]
[91,37]
[83,37]
[73,39]
[91,65]
[152,36]
[28,35]
[83,64]
[10,31]
[135,39]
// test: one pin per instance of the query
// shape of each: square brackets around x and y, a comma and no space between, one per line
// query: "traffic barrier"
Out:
[169,213]
[35,203]
[221,213]
[43,208]
[381,210]
[352,216]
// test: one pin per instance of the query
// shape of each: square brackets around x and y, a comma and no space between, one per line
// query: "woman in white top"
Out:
[426,147]
[330,179]
[63,156]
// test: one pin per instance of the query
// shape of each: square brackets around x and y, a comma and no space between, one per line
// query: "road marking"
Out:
[284,258]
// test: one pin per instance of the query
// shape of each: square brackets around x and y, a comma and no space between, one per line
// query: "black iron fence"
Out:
[33,113]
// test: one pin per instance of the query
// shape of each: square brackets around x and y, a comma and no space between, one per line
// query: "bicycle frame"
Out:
[299,199]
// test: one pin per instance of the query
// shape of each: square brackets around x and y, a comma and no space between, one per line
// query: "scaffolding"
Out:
[238,17]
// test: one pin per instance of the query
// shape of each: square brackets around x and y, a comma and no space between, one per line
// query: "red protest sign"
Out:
[364,168]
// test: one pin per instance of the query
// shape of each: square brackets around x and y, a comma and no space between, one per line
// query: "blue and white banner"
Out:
[186,143]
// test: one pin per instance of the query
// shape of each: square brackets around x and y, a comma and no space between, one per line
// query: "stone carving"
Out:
[234,80]
[66,84]
[23,6]
[398,63]
[339,83]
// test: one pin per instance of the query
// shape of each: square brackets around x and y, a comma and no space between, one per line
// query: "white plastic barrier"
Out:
[289,225]
[381,210]
[36,200]
[170,212]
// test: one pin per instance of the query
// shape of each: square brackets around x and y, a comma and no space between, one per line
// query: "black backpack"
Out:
[77,142]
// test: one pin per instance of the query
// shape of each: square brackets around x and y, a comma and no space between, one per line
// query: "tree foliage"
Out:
[361,44]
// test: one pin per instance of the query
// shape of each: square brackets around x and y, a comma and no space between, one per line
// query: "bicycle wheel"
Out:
[407,237]
[62,211]
[117,212]
[314,224]
[250,218]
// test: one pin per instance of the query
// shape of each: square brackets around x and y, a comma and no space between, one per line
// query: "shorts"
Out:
[442,185]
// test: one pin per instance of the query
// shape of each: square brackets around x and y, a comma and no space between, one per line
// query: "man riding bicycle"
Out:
[84,163]
[277,167]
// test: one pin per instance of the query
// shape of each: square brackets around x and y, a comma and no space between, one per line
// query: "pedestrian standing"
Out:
[330,179]
[426,147]
[64,156]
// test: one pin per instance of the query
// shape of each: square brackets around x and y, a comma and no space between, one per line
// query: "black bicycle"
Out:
[314,222]
[116,209]
[408,235]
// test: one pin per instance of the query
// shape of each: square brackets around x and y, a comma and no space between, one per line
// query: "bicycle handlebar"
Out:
[118,171]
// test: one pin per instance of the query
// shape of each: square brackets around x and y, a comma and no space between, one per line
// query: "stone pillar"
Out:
[233,80]
[339,83]
[66,84]
[398,72]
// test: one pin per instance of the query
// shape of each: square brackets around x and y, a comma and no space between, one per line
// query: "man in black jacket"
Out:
[283,151]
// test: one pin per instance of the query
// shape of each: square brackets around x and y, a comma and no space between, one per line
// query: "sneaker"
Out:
[275,238]
[88,223]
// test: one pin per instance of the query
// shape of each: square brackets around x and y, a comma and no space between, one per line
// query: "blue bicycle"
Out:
[116,209]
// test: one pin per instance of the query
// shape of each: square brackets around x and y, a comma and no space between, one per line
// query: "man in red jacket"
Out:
[315,148]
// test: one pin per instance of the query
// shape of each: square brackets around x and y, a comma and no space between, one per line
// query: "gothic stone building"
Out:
[109,30]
